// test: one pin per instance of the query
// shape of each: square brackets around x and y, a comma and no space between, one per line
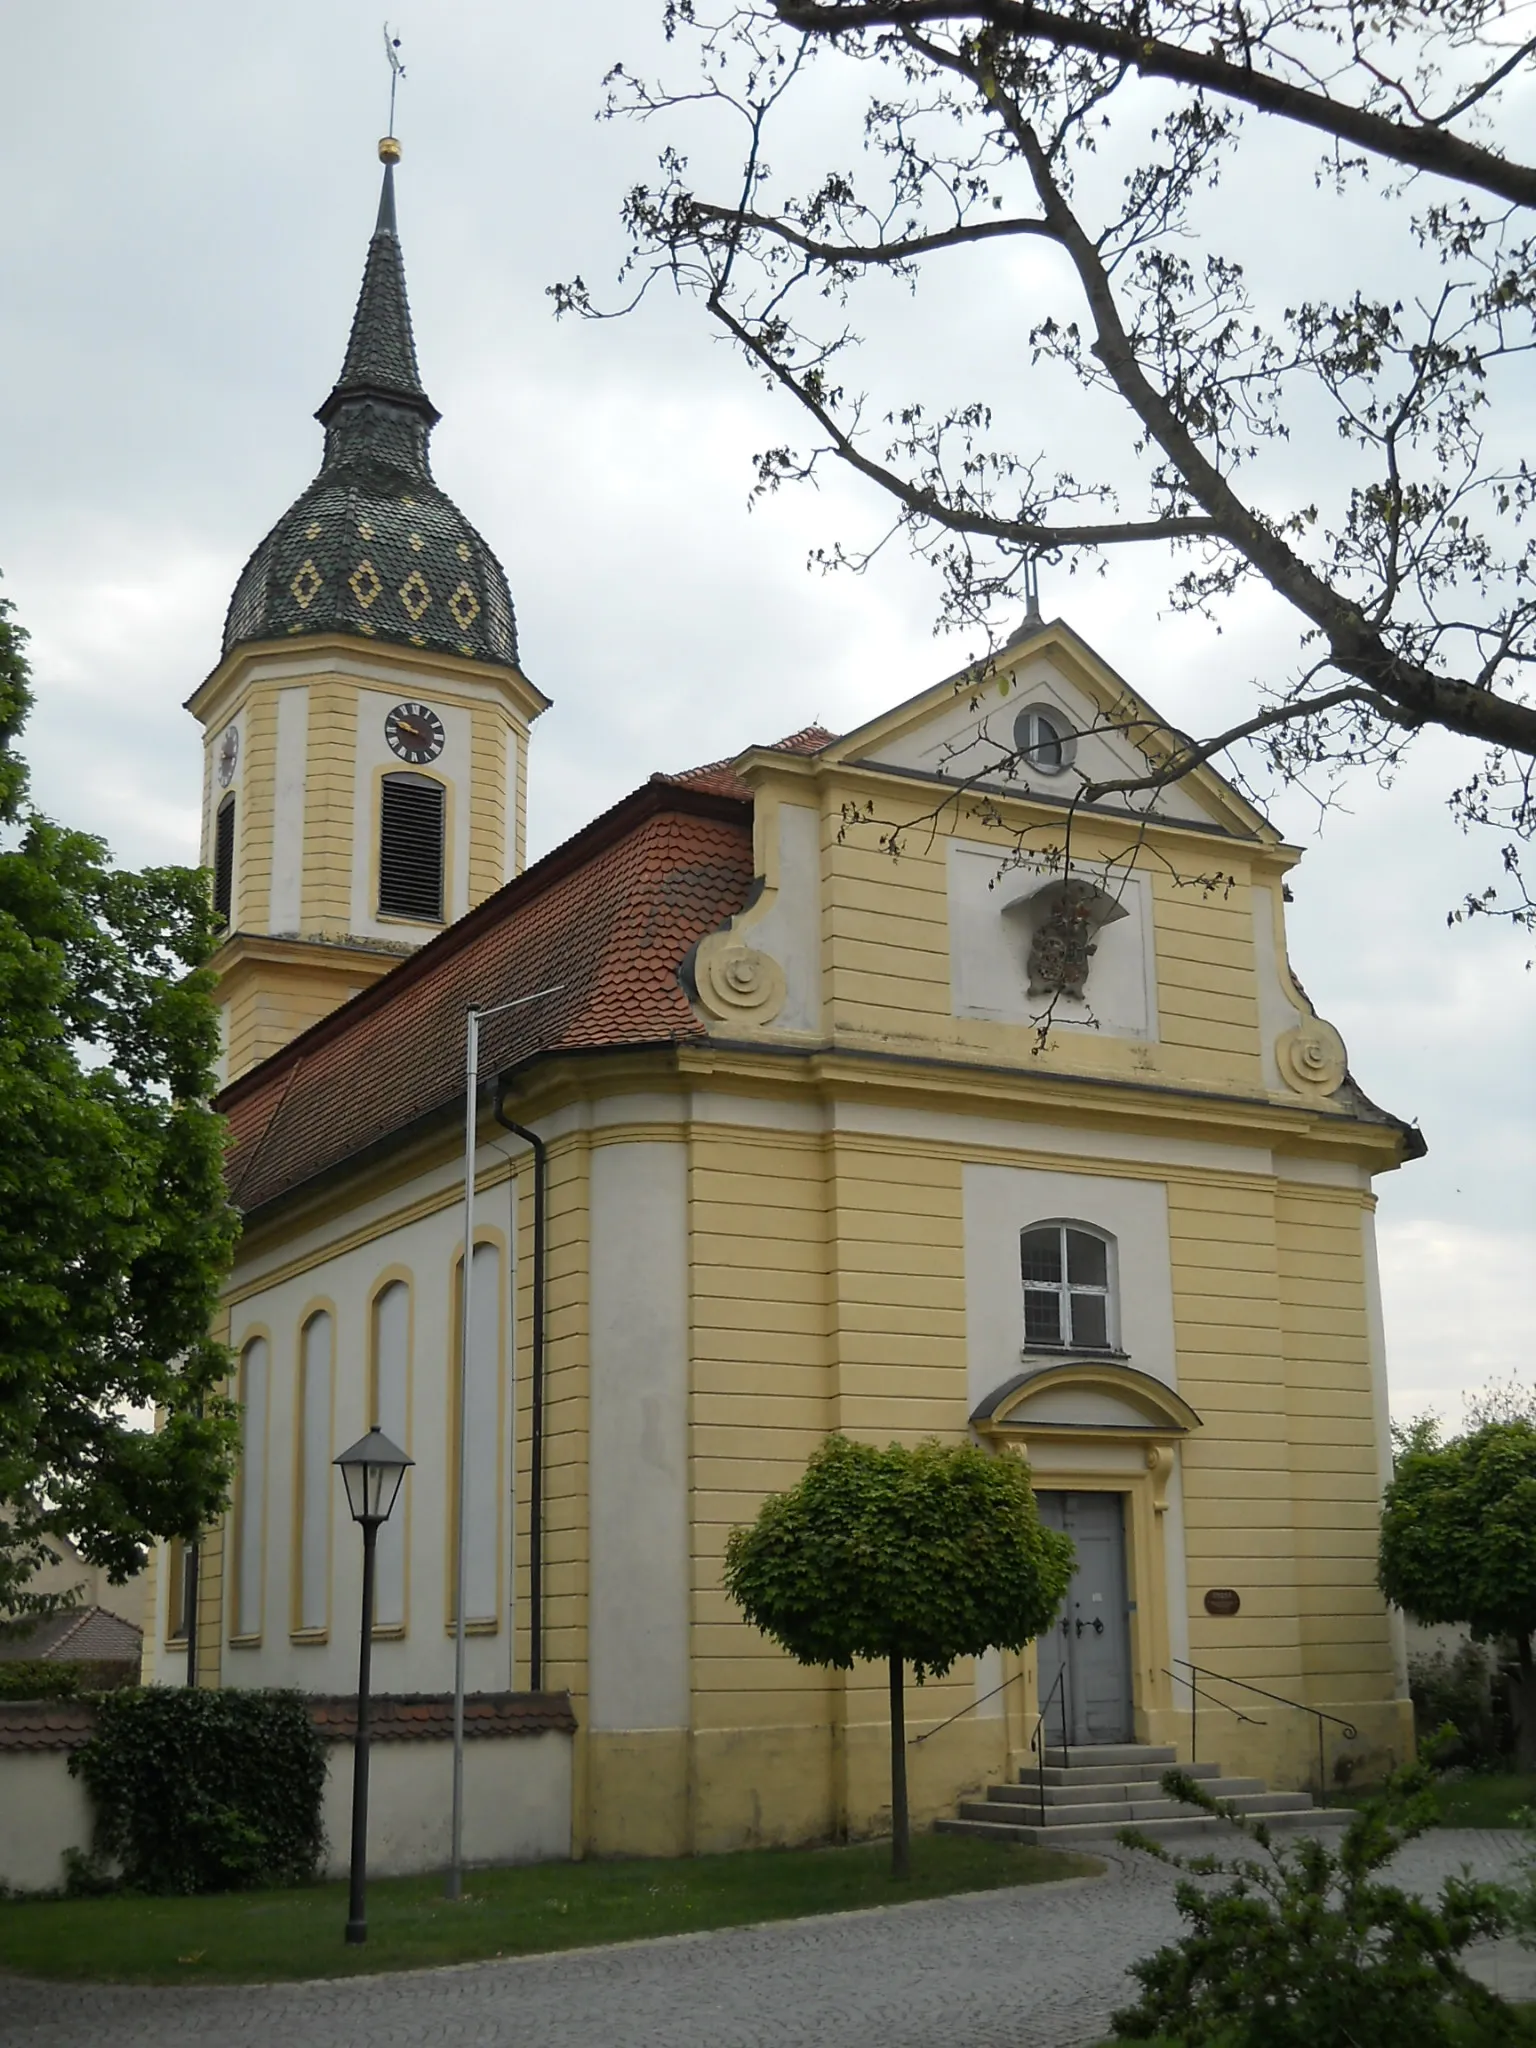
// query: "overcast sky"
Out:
[188,192]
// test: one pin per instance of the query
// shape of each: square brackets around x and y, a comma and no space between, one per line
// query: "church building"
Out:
[864,1082]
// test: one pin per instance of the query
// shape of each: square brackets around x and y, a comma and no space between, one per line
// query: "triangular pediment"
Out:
[965,729]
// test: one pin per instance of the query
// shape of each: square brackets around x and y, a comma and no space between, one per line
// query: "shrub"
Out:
[203,1790]
[1456,1691]
[36,1678]
[1305,1945]
[32,1679]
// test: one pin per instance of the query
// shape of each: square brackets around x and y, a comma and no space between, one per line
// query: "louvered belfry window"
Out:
[224,859]
[411,848]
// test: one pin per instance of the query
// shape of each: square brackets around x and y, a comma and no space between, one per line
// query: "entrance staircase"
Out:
[1084,1794]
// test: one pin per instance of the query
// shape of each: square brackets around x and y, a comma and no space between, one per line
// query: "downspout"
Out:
[536,1449]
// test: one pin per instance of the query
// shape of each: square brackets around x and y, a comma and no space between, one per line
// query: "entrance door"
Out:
[1089,1645]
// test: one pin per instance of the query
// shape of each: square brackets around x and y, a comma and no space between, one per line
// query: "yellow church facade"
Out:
[870,1083]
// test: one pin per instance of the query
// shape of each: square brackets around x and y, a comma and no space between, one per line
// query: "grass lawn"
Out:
[255,1937]
[1478,1801]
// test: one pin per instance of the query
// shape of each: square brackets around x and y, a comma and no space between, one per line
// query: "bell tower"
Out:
[366,731]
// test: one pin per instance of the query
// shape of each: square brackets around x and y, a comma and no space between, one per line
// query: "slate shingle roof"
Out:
[373,546]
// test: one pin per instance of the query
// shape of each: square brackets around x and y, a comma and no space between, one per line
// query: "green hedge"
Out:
[38,1678]
[198,1790]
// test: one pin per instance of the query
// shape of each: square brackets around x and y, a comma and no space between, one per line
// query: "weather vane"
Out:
[396,70]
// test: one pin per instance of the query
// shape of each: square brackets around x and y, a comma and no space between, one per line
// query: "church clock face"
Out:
[415,733]
[229,755]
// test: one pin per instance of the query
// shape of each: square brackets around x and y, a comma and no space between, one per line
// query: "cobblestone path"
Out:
[1035,1968]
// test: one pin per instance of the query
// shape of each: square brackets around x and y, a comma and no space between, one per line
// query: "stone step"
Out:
[1102,1753]
[1112,1774]
[1312,1820]
[1028,1790]
[1120,1813]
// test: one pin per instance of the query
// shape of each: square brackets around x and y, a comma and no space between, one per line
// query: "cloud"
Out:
[190,190]
[1460,1305]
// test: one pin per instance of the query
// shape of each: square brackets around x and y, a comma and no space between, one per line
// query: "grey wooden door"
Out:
[1089,1645]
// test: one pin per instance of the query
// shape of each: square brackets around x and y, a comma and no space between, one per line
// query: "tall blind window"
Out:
[224,859]
[483,1468]
[253,1486]
[312,1587]
[411,848]
[391,1342]
[1068,1291]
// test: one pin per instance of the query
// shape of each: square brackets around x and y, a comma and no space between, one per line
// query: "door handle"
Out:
[1098,1625]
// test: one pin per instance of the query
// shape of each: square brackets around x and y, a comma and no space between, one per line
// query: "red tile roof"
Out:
[395,1717]
[606,920]
[428,1716]
[722,777]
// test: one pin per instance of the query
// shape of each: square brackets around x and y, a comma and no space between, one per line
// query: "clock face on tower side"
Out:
[229,754]
[415,733]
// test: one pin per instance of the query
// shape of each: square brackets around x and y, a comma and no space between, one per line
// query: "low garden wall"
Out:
[517,1783]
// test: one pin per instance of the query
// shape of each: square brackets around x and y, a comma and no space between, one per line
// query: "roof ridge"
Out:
[651,799]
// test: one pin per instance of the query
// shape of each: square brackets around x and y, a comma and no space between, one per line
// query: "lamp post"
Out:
[371,1471]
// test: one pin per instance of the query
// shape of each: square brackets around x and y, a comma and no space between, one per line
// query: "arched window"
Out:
[1044,739]
[482,1472]
[1069,1288]
[224,859]
[312,1575]
[389,1411]
[250,1499]
[411,848]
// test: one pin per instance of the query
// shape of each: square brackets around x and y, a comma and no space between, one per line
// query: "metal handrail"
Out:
[1198,1693]
[969,1708]
[1351,1732]
[1037,1740]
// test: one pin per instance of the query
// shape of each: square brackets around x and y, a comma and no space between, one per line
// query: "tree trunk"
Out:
[901,1832]
[1523,1702]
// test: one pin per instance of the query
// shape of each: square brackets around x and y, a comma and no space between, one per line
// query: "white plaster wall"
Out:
[638,1575]
[790,928]
[421,1659]
[517,1807]
[517,1803]
[989,937]
[452,766]
[284,912]
[43,1812]
[973,729]
[1001,1201]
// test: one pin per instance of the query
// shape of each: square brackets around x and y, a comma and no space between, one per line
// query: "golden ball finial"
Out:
[389,150]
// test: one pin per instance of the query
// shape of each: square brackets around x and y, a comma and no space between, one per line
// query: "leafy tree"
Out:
[114,1229]
[1350,435]
[1306,1945]
[1458,1543]
[912,1556]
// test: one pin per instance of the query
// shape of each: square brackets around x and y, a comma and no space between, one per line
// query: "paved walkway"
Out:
[1016,1969]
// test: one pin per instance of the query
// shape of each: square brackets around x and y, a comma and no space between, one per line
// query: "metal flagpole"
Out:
[455,1880]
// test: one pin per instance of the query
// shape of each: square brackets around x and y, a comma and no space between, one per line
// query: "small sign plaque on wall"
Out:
[1222,1600]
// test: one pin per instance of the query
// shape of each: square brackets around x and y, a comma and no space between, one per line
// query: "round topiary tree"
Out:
[913,1556]
[1458,1543]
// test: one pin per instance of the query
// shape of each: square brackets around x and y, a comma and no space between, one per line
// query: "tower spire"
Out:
[381,351]
[374,547]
